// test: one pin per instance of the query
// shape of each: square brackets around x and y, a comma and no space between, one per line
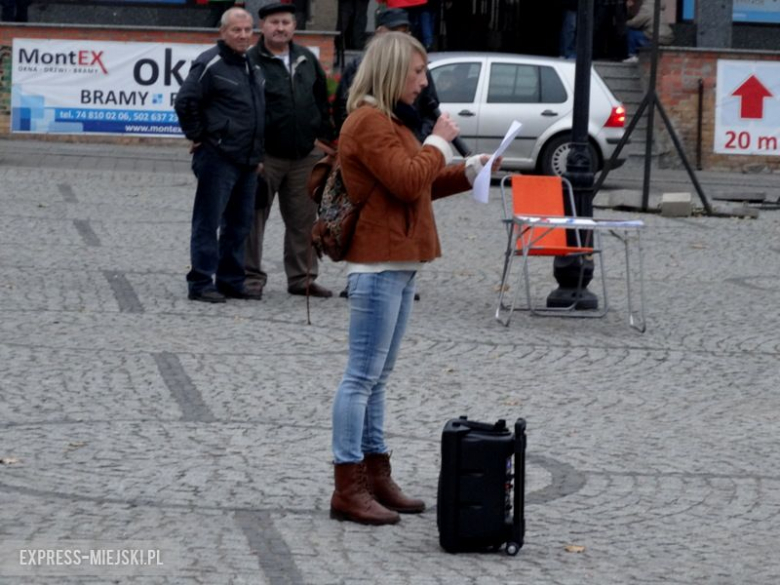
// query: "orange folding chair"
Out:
[537,225]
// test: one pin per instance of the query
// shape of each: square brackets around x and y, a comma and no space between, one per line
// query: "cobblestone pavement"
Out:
[129,414]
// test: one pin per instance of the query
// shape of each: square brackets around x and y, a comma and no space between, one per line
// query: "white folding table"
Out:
[624,230]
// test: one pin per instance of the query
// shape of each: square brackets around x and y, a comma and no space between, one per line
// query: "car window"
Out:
[524,84]
[457,82]
[510,84]
[553,90]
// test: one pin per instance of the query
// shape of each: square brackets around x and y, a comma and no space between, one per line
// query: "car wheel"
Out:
[555,153]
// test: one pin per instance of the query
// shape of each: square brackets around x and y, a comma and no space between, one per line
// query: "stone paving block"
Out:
[134,413]
[676,205]
[736,211]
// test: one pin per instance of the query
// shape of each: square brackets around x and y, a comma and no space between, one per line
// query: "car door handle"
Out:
[466,113]
[549,113]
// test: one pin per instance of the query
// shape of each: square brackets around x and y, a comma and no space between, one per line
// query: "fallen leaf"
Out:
[575,548]
[76,445]
[698,246]
[498,288]
[9,461]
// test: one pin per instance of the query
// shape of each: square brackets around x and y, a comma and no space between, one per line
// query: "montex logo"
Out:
[82,58]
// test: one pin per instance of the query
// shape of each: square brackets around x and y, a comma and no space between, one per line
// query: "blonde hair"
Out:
[382,74]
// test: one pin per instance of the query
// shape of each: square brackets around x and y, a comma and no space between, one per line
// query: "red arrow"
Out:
[752,93]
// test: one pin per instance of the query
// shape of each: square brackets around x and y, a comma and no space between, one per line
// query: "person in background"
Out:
[351,23]
[384,165]
[391,19]
[609,30]
[568,43]
[14,10]
[459,26]
[301,12]
[640,27]
[422,14]
[397,20]
[424,19]
[221,109]
[298,129]
[216,9]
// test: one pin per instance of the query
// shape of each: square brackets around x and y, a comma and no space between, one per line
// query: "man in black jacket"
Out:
[298,131]
[396,20]
[221,109]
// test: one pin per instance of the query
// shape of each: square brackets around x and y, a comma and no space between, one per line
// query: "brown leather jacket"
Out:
[383,163]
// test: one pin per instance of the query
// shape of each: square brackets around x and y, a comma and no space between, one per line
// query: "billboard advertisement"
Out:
[755,11]
[97,87]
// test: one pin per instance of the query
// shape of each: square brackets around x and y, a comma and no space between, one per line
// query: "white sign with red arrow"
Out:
[747,108]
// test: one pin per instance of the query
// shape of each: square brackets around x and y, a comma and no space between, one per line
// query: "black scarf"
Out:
[410,118]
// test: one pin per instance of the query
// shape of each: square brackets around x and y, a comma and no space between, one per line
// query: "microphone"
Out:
[457,142]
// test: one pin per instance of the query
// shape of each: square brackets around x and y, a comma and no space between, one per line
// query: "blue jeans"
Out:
[636,40]
[423,21]
[568,44]
[224,201]
[380,306]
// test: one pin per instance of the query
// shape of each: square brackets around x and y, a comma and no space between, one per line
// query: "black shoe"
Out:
[253,294]
[581,300]
[207,296]
[416,296]
[315,290]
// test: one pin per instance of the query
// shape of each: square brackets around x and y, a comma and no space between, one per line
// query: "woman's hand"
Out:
[446,127]
[484,158]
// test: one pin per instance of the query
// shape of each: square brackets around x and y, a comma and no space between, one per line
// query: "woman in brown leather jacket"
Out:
[384,165]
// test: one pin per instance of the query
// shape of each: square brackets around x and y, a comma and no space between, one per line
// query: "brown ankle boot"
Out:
[352,501]
[385,490]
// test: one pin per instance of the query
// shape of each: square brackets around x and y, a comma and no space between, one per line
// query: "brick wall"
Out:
[679,72]
[8,31]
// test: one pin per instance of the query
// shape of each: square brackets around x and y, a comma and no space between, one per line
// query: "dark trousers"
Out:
[216,10]
[352,20]
[288,178]
[423,21]
[224,202]
[14,10]
[568,44]
[609,30]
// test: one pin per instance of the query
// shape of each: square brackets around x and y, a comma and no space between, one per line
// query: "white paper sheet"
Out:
[482,182]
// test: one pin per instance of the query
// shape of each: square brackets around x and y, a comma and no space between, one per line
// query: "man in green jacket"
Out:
[298,131]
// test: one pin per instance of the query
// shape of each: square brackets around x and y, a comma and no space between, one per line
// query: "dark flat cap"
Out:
[274,8]
[393,18]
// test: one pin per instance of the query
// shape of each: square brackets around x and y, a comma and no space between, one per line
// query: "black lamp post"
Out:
[571,271]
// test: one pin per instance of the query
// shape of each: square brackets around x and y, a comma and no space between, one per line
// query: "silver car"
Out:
[485,92]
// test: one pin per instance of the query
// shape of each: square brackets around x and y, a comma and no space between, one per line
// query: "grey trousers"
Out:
[287,178]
